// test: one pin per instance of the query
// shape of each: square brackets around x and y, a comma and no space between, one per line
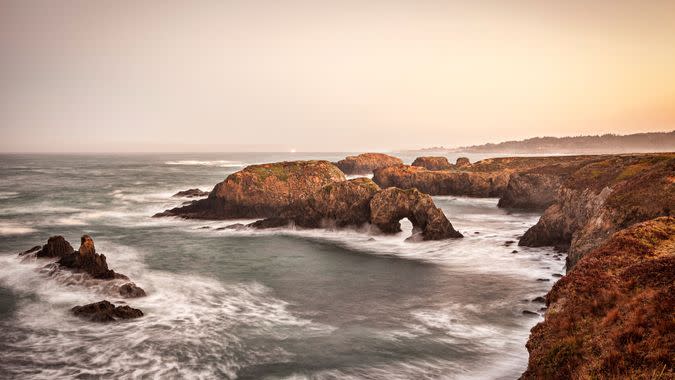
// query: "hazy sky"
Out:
[329,76]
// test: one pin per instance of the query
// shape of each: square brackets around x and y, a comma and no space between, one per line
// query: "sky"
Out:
[145,76]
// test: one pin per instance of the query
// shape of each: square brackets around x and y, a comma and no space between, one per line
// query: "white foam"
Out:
[187,318]
[8,194]
[213,163]
[10,228]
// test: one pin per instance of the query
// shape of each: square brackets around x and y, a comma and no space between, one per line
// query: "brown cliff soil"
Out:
[611,317]
[367,162]
[260,191]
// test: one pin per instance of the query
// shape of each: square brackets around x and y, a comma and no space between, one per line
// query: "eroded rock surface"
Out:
[105,311]
[391,205]
[432,163]
[602,197]
[191,193]
[260,191]
[367,162]
[87,260]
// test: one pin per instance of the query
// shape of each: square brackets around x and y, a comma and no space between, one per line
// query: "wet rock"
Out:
[529,313]
[432,163]
[56,247]
[508,243]
[543,279]
[260,191]
[32,250]
[130,290]
[270,223]
[235,226]
[514,251]
[391,205]
[557,275]
[87,260]
[539,299]
[191,193]
[105,311]
[367,162]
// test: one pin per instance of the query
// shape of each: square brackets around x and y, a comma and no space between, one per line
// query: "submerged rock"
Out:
[130,290]
[367,162]
[191,193]
[260,191]
[105,311]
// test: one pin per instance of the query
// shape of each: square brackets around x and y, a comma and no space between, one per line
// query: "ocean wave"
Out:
[213,163]
[8,194]
[187,319]
[10,228]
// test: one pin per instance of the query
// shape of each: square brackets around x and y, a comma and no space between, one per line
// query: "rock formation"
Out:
[191,193]
[367,162]
[88,261]
[611,316]
[432,163]
[360,201]
[105,311]
[260,191]
[462,162]
[56,247]
[603,197]
[443,182]
[391,205]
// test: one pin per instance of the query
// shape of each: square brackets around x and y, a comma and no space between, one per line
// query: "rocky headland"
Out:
[365,163]
[315,194]
[611,316]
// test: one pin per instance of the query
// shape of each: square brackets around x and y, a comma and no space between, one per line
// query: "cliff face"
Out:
[261,190]
[360,201]
[603,197]
[367,162]
[443,182]
[611,317]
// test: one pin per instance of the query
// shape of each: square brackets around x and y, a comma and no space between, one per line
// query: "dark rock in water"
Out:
[130,290]
[542,279]
[557,275]
[432,163]
[543,309]
[204,227]
[508,243]
[87,260]
[270,223]
[476,232]
[235,226]
[527,312]
[391,205]
[56,247]
[367,162]
[191,193]
[105,311]
[514,251]
[32,250]
[539,299]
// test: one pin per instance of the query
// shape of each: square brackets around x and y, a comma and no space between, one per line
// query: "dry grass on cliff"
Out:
[612,316]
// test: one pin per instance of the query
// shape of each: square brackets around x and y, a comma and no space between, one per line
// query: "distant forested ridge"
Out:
[608,143]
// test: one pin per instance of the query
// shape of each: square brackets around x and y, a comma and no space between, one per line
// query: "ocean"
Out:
[274,304]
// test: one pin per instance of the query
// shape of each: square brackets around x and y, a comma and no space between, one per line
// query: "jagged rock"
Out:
[56,247]
[603,196]
[367,162]
[391,205]
[130,290]
[105,311]
[191,193]
[432,163]
[87,260]
[611,316]
[32,250]
[260,191]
